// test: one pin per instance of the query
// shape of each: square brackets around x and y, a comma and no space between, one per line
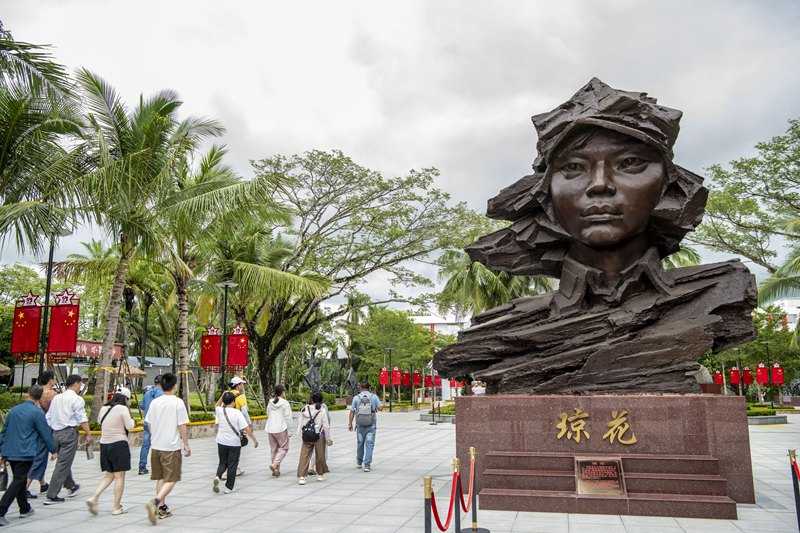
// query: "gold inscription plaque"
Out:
[599,476]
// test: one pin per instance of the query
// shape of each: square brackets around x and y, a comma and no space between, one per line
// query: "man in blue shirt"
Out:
[22,435]
[365,411]
[147,397]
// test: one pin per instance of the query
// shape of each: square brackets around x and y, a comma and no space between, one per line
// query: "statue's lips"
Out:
[600,214]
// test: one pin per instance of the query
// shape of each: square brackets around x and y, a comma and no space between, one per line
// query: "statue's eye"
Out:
[572,168]
[632,163]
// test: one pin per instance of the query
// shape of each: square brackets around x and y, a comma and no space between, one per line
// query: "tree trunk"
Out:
[266,364]
[128,296]
[183,339]
[110,333]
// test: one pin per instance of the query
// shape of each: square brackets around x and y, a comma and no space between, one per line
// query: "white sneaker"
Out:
[230,491]
[321,477]
[367,469]
[215,485]
[302,481]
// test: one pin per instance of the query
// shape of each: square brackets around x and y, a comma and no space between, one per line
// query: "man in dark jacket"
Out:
[24,431]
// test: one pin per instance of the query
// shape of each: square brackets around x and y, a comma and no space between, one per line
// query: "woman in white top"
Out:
[231,423]
[318,415]
[115,453]
[279,416]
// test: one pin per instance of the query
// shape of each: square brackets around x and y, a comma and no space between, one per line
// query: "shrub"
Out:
[256,412]
[760,411]
[7,401]
[445,410]
[201,417]
[300,397]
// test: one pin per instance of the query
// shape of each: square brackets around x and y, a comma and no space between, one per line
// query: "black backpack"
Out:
[310,428]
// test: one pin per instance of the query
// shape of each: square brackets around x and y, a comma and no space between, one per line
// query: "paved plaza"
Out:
[388,499]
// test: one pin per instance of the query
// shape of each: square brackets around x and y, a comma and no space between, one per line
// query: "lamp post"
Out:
[391,377]
[769,375]
[43,338]
[225,285]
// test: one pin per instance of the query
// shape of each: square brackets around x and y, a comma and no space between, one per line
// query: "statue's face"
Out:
[605,189]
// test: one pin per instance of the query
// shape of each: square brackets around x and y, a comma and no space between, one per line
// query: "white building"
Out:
[791,306]
[437,324]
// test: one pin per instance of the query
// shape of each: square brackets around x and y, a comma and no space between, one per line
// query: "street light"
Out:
[63,232]
[225,285]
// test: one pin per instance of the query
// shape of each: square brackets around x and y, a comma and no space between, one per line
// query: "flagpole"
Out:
[43,337]
[224,284]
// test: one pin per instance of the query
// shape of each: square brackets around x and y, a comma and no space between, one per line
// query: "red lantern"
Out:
[747,377]
[718,377]
[210,350]
[406,379]
[416,379]
[761,374]
[396,376]
[427,381]
[733,376]
[383,377]
[777,374]
[26,325]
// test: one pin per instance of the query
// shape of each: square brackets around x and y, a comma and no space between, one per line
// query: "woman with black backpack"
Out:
[313,423]
[115,453]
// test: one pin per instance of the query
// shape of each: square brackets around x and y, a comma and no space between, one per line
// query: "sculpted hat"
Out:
[536,243]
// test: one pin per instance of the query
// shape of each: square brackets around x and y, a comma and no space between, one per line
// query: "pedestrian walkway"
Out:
[388,499]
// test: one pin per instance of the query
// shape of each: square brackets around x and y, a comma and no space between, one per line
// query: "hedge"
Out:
[760,411]
[444,410]
[201,417]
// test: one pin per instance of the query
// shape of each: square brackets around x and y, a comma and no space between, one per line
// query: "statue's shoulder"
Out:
[521,306]
[712,271]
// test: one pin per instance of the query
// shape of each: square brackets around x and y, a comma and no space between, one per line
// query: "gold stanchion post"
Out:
[426,484]
[474,497]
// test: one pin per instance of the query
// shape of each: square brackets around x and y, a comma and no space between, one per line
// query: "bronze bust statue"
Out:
[604,205]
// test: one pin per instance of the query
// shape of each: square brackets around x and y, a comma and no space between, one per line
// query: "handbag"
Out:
[242,436]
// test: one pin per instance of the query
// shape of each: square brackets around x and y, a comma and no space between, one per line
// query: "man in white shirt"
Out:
[67,412]
[167,419]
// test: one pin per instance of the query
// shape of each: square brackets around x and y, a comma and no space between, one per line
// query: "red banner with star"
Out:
[762,375]
[396,376]
[26,328]
[210,350]
[747,376]
[733,376]
[428,381]
[718,377]
[406,379]
[416,378]
[777,374]
[383,377]
[63,337]
[237,351]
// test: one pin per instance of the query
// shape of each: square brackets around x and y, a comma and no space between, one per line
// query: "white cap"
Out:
[125,391]
[236,380]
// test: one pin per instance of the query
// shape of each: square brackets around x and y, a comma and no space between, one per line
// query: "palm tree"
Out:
[132,158]
[786,279]
[38,119]
[471,288]
[684,257]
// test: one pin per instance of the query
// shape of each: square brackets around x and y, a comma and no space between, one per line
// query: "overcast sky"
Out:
[450,84]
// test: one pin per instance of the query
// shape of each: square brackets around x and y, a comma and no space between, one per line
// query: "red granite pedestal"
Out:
[691,457]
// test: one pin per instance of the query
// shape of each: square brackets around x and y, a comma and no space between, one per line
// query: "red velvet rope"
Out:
[796,470]
[450,509]
[467,507]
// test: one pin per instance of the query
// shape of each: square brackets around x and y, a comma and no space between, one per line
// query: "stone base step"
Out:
[678,505]
[678,464]
[635,482]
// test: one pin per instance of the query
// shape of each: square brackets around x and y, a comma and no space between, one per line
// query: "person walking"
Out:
[365,412]
[229,441]
[115,453]
[313,458]
[67,412]
[47,380]
[147,398]
[25,430]
[279,416]
[167,418]
[312,424]
[236,386]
